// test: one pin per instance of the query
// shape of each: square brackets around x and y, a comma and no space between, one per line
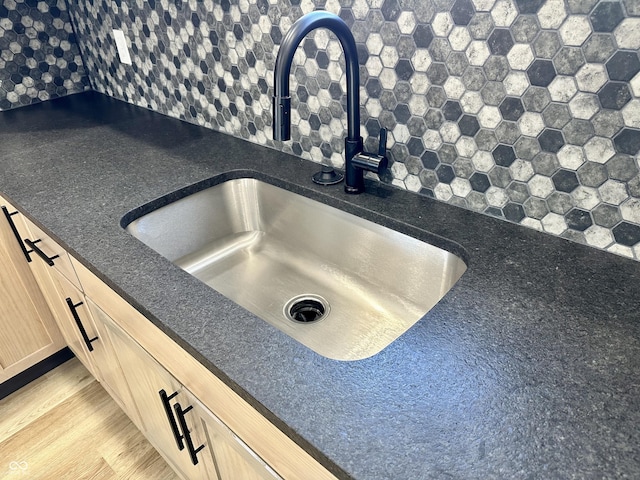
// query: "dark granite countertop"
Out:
[528,368]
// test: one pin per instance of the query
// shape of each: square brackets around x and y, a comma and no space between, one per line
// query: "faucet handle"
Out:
[374,162]
[382,143]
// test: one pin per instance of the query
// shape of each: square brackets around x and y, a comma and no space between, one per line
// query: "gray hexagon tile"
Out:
[527,110]
[39,55]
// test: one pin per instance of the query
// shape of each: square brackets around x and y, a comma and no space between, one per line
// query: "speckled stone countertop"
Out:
[528,368]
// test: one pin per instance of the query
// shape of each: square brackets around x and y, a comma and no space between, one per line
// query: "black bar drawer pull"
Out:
[15,232]
[32,245]
[193,452]
[76,317]
[172,421]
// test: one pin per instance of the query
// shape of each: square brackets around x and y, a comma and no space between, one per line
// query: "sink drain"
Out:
[306,308]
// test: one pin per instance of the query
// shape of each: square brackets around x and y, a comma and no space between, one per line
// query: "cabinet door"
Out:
[74,321]
[232,458]
[28,332]
[161,403]
[106,360]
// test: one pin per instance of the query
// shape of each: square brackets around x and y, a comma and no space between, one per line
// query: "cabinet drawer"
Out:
[57,256]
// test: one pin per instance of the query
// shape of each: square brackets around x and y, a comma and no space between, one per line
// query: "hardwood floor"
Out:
[65,426]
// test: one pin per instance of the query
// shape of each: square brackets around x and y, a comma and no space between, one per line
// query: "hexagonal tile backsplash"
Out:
[527,110]
[39,55]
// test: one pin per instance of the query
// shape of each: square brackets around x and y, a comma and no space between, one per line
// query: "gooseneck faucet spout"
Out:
[356,160]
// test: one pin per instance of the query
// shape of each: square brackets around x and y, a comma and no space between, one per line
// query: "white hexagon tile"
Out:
[526,110]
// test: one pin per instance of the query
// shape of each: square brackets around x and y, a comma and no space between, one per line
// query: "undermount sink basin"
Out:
[341,285]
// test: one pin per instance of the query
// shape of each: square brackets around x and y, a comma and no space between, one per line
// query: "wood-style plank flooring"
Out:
[64,426]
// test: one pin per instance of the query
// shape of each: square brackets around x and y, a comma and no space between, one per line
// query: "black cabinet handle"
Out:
[32,245]
[76,317]
[193,451]
[15,232]
[172,421]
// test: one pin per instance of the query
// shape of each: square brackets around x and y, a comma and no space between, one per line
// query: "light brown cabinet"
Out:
[81,322]
[54,273]
[28,332]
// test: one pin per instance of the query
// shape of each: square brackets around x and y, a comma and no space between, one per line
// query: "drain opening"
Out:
[306,308]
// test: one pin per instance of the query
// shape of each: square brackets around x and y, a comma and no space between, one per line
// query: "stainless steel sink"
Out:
[341,285]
